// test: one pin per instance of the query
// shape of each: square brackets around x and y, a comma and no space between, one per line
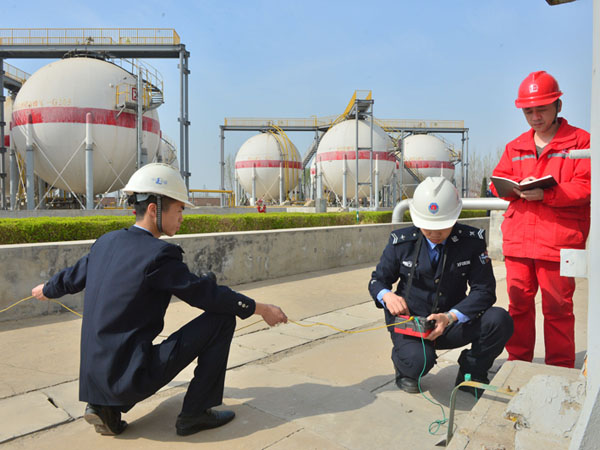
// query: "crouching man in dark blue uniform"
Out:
[433,262]
[129,277]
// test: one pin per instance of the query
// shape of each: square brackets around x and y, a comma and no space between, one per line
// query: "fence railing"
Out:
[15,74]
[88,36]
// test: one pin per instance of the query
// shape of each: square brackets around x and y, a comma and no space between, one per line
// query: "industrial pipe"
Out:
[468,203]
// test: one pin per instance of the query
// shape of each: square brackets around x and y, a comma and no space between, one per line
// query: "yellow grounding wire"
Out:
[238,329]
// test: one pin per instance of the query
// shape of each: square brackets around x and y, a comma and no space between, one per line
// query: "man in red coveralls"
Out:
[539,222]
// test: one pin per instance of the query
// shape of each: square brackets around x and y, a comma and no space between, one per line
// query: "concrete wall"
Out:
[495,235]
[235,258]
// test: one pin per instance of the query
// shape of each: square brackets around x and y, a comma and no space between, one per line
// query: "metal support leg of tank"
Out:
[2,130]
[14,178]
[41,204]
[394,187]
[253,199]
[89,163]
[236,191]
[281,184]
[344,185]
[29,166]
[375,204]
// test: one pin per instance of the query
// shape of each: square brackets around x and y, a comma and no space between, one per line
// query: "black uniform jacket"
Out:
[467,263]
[129,277]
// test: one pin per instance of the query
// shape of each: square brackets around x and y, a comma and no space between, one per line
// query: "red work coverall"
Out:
[533,234]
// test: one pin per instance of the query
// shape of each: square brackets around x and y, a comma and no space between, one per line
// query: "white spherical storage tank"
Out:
[427,156]
[263,156]
[56,100]
[337,147]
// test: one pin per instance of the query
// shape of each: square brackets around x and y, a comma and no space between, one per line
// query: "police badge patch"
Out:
[484,258]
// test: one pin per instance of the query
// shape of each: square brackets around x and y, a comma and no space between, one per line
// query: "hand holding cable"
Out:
[271,314]
[38,292]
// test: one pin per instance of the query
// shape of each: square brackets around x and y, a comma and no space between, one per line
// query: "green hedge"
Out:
[54,229]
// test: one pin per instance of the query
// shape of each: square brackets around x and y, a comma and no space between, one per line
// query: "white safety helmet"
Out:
[158,179]
[435,205]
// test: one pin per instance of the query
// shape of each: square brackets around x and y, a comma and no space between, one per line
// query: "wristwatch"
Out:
[450,317]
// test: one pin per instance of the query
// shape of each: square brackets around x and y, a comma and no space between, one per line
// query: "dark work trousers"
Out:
[208,338]
[487,335]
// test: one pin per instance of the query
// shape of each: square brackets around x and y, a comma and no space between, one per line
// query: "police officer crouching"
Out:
[129,276]
[433,262]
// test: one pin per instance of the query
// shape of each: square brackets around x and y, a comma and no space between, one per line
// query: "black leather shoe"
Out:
[476,392]
[106,419]
[407,384]
[189,424]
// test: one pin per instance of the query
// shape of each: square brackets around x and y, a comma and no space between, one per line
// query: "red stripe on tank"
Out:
[428,164]
[267,163]
[351,155]
[71,114]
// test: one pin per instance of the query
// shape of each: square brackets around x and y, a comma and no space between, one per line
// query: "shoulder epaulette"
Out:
[466,231]
[403,235]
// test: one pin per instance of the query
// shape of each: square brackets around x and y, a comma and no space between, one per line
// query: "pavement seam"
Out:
[48,427]
[268,358]
[39,389]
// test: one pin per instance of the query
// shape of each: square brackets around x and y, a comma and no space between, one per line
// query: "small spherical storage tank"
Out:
[427,156]
[56,100]
[338,147]
[263,155]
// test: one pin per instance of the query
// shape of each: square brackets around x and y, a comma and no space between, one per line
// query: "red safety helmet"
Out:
[537,89]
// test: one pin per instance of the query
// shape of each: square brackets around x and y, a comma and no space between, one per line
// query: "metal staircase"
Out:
[127,95]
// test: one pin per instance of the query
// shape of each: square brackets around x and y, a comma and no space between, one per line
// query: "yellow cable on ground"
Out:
[241,328]
[331,326]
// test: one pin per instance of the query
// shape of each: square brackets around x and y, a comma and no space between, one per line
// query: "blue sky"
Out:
[423,59]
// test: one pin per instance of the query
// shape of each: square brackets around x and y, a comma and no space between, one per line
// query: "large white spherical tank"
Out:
[263,155]
[56,99]
[339,143]
[427,156]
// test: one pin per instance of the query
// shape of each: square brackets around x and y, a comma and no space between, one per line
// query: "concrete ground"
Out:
[291,387]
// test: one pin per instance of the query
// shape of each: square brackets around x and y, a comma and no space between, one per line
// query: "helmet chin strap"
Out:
[159,213]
